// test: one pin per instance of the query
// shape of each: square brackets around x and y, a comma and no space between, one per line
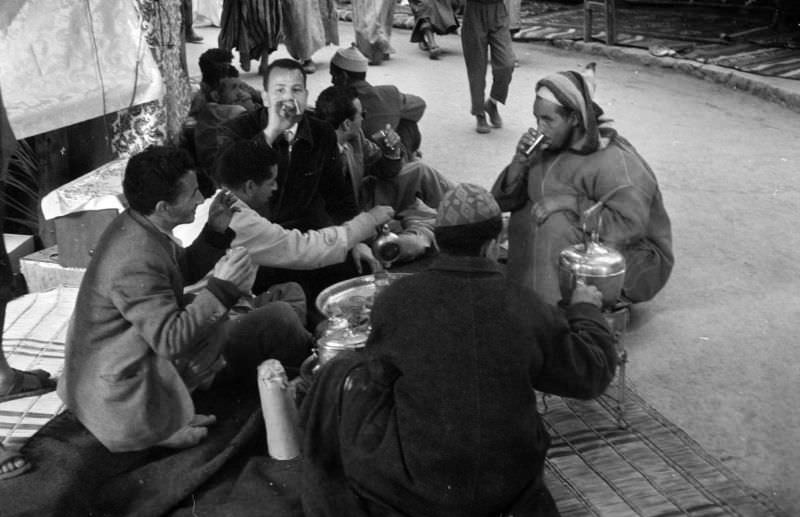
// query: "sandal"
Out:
[8,457]
[27,384]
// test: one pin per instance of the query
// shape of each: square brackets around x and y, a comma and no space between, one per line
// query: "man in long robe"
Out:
[372,23]
[582,162]
[432,17]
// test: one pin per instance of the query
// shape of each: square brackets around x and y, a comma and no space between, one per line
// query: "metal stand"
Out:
[618,319]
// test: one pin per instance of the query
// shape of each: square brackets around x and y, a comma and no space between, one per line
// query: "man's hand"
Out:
[362,253]
[237,268]
[411,246]
[584,293]
[388,140]
[381,213]
[282,115]
[552,204]
[221,211]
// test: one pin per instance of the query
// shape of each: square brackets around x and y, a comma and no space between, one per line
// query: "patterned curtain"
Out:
[160,121]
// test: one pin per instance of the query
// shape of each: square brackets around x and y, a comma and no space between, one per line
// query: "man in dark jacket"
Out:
[312,191]
[439,417]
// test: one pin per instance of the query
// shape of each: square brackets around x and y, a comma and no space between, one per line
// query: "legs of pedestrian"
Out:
[475,41]
[186,11]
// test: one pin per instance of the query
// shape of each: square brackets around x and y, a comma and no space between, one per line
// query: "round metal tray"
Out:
[359,286]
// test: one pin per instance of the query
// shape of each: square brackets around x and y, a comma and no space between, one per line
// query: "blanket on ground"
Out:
[76,476]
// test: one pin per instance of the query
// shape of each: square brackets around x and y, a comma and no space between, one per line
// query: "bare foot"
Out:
[191,434]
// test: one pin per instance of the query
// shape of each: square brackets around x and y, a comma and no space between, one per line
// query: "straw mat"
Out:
[650,468]
[740,40]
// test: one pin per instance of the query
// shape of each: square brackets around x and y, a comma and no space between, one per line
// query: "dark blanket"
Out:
[227,474]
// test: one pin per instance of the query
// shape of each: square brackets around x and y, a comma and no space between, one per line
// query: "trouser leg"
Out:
[6,277]
[273,331]
[186,11]
[502,54]
[474,42]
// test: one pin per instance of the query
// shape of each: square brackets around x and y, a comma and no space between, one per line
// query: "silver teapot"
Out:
[592,263]
[386,247]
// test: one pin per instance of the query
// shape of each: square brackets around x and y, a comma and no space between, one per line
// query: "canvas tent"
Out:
[64,62]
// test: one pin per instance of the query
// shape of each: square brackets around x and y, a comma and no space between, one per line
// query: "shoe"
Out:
[430,41]
[482,126]
[28,384]
[193,37]
[309,67]
[423,46]
[494,115]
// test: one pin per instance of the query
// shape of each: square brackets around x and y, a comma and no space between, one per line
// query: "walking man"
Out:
[486,26]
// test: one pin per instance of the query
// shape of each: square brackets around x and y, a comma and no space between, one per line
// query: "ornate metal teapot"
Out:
[386,248]
[592,263]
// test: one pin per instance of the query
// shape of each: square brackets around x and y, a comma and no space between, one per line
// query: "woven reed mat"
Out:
[650,468]
[35,328]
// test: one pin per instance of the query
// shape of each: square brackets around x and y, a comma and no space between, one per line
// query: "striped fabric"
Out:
[33,337]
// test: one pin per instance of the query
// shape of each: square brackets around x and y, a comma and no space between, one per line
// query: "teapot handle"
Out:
[589,212]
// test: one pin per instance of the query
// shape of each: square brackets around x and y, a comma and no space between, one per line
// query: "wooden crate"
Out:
[42,271]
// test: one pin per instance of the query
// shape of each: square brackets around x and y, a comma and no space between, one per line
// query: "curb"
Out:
[750,83]
[754,84]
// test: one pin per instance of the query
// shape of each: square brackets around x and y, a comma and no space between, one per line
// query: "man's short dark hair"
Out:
[245,160]
[284,64]
[467,239]
[215,64]
[154,175]
[352,76]
[335,105]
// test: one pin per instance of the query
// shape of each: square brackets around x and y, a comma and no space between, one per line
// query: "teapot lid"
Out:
[592,259]
[343,339]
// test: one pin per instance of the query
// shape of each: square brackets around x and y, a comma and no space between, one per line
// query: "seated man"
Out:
[581,162]
[383,104]
[381,176]
[227,98]
[438,415]
[250,173]
[312,192]
[137,346]
[215,64]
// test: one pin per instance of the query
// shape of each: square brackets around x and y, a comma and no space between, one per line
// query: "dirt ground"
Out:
[716,351]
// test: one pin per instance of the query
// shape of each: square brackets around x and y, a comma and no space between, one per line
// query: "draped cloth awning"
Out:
[66,61]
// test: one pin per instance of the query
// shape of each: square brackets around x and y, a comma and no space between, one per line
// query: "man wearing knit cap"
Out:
[384,104]
[486,27]
[438,415]
[581,163]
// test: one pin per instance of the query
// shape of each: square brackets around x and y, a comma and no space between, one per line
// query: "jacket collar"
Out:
[303,126]
[168,241]
[445,262]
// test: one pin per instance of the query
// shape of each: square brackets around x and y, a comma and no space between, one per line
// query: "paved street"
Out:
[716,352]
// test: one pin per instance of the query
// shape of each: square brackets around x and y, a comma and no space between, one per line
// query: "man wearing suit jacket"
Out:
[383,104]
[138,346]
